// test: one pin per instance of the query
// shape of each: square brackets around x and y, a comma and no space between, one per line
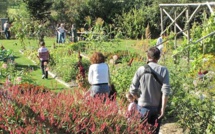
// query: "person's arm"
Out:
[65,29]
[58,29]
[38,54]
[90,75]
[48,55]
[163,105]
[159,41]
[109,80]
[134,88]
[165,93]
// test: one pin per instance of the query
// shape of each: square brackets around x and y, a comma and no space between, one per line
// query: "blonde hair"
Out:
[129,96]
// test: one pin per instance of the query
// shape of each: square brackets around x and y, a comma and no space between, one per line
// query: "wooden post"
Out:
[188,33]
[173,21]
[161,13]
[175,30]
[175,38]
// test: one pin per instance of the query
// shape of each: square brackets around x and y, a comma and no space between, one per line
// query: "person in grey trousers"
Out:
[152,95]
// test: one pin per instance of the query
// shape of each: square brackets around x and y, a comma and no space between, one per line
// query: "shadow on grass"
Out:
[32,67]
[55,86]
[49,83]
[56,89]
[16,57]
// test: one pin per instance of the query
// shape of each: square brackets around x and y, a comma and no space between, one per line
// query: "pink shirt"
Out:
[132,107]
[43,53]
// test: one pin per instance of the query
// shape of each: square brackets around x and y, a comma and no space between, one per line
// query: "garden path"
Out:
[171,128]
[22,62]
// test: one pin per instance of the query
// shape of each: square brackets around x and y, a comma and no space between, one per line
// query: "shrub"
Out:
[64,112]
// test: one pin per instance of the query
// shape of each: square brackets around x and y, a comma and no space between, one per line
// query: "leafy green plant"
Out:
[191,102]
[6,54]
[122,76]
[79,46]
[131,23]
[67,61]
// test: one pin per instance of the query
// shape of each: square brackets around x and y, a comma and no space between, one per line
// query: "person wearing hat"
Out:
[152,93]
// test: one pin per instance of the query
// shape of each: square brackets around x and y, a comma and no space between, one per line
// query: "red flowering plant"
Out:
[81,76]
[30,108]
[16,118]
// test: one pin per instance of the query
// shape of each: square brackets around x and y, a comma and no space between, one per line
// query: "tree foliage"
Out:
[3,8]
[125,16]
[38,9]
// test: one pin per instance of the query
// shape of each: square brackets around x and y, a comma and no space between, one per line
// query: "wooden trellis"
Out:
[189,16]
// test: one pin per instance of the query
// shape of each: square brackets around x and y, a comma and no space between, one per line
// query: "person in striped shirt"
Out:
[44,59]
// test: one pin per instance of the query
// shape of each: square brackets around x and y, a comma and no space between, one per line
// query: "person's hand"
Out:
[135,96]
[161,114]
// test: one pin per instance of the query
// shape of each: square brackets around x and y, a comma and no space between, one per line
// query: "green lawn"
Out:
[23,63]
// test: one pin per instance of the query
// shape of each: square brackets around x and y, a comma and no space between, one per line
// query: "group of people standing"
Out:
[148,93]
[61,33]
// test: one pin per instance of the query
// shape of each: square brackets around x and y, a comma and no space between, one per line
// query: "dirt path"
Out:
[171,128]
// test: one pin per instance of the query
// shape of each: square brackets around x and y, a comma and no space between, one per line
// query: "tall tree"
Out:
[3,8]
[40,12]
[39,9]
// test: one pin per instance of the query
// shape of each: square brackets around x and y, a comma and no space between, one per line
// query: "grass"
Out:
[23,63]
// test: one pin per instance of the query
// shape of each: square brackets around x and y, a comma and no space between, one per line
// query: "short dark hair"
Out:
[153,53]
[42,43]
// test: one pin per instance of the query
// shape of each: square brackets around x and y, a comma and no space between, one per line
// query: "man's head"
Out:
[153,53]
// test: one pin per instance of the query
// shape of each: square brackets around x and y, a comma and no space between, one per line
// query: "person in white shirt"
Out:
[159,42]
[98,75]
[6,30]
[44,59]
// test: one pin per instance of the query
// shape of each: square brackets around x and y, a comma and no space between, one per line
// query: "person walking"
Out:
[44,59]
[151,89]
[6,30]
[98,75]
